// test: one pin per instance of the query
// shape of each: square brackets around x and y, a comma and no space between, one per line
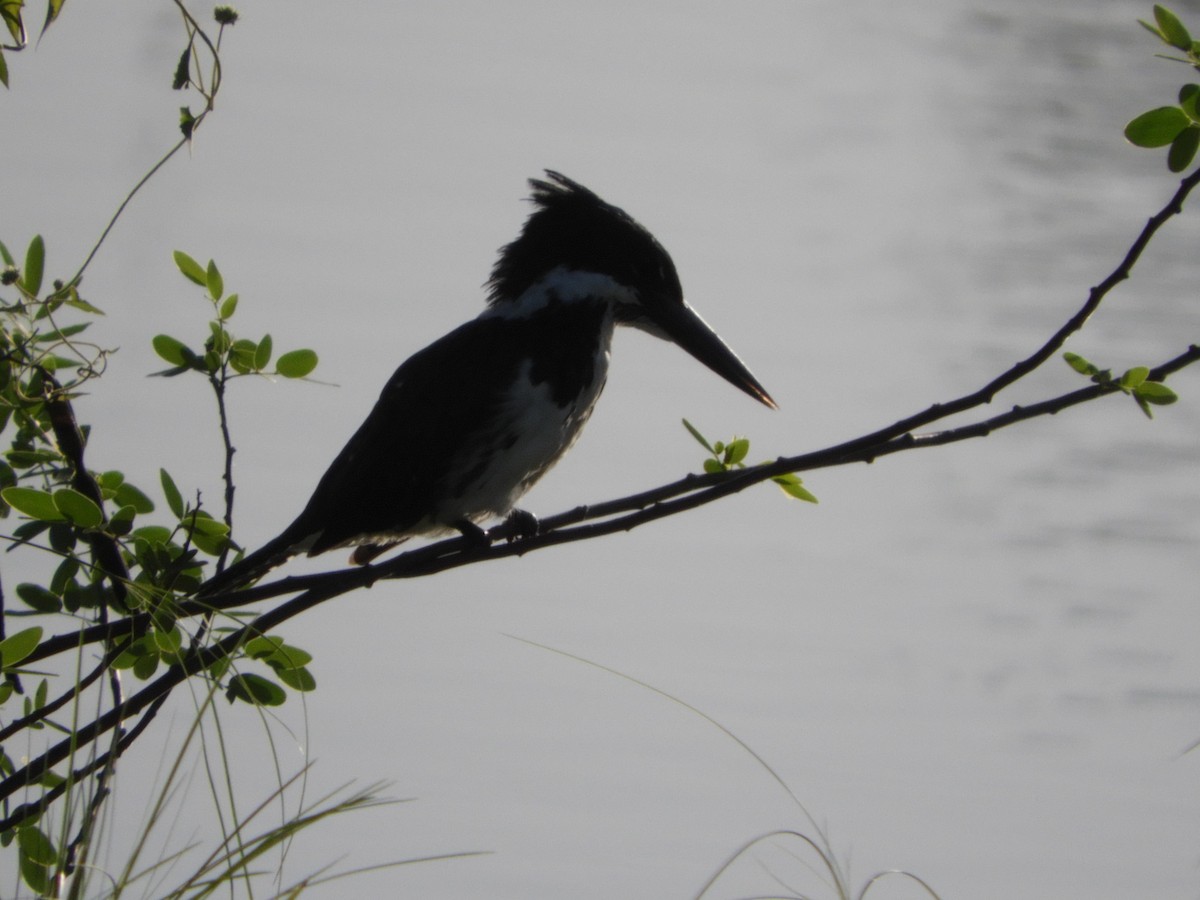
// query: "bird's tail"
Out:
[249,568]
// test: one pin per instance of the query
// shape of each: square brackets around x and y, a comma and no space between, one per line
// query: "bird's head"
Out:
[579,246]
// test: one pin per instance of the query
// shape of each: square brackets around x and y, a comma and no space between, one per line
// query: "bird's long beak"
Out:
[682,325]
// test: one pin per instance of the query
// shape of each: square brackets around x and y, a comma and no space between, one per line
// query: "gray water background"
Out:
[976,663]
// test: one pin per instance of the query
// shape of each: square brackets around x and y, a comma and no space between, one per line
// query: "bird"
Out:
[467,425]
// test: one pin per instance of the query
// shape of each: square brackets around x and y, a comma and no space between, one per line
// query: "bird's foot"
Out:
[475,536]
[517,525]
[522,524]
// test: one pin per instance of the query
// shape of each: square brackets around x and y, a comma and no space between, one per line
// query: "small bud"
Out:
[225,15]
[10,275]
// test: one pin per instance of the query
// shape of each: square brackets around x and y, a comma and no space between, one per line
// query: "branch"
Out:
[587,522]
[581,523]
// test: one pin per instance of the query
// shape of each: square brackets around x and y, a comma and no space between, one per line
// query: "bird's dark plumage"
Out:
[467,425]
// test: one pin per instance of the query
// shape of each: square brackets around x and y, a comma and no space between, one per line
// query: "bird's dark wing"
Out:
[391,473]
[388,476]
[440,410]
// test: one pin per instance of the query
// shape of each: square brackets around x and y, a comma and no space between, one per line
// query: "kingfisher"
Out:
[466,426]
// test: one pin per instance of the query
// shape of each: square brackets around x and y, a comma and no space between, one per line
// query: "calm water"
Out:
[976,663]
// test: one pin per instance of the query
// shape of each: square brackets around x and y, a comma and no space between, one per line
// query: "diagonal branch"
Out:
[582,523]
[585,522]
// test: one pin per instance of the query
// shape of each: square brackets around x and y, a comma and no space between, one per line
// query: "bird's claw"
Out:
[522,524]
[475,536]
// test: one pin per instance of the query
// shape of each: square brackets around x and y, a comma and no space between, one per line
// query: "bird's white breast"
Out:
[528,435]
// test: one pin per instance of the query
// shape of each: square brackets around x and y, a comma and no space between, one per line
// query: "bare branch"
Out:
[581,523]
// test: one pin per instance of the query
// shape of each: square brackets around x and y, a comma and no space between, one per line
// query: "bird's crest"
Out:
[571,226]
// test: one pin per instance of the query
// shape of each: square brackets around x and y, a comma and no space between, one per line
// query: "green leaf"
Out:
[53,8]
[791,485]
[62,537]
[65,332]
[262,353]
[251,688]
[220,340]
[1188,95]
[154,534]
[33,503]
[172,350]
[109,481]
[275,653]
[191,269]
[187,123]
[167,641]
[35,260]
[229,307]
[83,306]
[121,522]
[6,256]
[299,679]
[1153,29]
[26,459]
[1157,128]
[296,364]
[1079,364]
[1172,29]
[241,355]
[1133,377]
[145,666]
[129,495]
[205,524]
[35,875]
[214,282]
[174,498]
[3,73]
[712,466]
[10,11]
[218,669]
[289,657]
[64,575]
[183,70]
[135,651]
[213,545]
[262,646]
[208,534]
[1183,148]
[736,451]
[1155,392]
[16,647]
[78,508]
[699,437]
[35,845]
[38,598]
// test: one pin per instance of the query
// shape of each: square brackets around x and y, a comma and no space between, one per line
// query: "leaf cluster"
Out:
[121,559]
[14,20]
[199,66]
[118,560]
[221,351]
[1135,382]
[729,456]
[1176,126]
